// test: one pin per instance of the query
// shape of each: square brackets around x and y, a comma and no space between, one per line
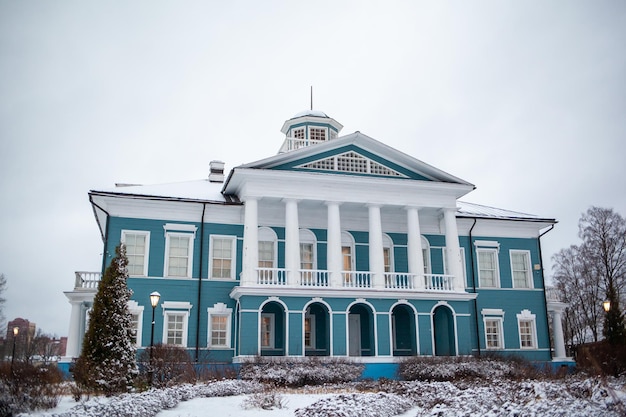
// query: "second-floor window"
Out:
[178,255]
[136,243]
[223,256]
[488,268]
[520,269]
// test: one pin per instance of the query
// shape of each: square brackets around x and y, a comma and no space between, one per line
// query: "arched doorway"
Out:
[361,331]
[403,331]
[272,330]
[443,326]
[316,330]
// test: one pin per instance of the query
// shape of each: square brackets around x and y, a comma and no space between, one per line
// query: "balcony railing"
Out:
[87,280]
[356,279]
[291,144]
[553,294]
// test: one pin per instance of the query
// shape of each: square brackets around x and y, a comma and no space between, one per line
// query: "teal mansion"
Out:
[337,246]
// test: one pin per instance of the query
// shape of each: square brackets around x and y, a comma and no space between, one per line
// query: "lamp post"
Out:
[154,301]
[16,331]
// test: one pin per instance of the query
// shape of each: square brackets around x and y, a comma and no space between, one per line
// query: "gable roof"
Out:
[390,161]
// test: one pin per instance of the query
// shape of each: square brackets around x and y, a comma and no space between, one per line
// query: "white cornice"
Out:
[240,291]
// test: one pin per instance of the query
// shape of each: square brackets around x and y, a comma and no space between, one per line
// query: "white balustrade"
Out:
[87,280]
[313,278]
[357,279]
[436,282]
[271,276]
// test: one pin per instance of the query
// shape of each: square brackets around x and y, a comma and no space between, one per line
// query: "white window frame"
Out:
[426,255]
[307,237]
[320,128]
[135,309]
[312,341]
[497,316]
[529,271]
[496,278]
[233,259]
[176,308]
[168,236]
[296,130]
[146,235]
[266,234]
[219,310]
[527,317]
[272,330]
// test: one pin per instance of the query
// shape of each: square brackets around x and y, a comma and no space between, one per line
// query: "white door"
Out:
[354,334]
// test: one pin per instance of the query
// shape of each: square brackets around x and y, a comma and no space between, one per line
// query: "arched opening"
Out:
[316,330]
[272,330]
[443,327]
[361,340]
[403,330]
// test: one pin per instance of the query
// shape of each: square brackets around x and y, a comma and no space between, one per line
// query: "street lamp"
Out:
[607,305]
[154,301]
[16,331]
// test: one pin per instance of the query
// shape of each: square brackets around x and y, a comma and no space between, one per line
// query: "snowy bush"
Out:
[357,405]
[450,369]
[25,387]
[150,403]
[167,366]
[264,400]
[297,374]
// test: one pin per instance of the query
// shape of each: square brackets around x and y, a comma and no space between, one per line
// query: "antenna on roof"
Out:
[311,97]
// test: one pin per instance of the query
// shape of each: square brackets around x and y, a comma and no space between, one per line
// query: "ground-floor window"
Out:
[527,330]
[493,333]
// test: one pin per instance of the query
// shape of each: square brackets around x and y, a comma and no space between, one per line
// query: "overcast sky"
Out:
[524,99]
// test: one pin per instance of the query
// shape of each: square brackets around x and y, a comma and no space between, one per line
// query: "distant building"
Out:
[24,338]
[338,246]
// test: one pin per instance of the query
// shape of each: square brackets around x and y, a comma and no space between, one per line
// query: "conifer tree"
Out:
[108,358]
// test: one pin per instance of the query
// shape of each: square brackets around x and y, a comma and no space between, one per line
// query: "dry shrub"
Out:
[26,387]
[602,358]
[170,365]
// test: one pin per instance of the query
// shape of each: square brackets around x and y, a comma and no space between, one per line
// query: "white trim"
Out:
[175,313]
[492,312]
[496,278]
[219,309]
[135,308]
[176,305]
[487,244]
[233,258]
[527,316]
[178,227]
[529,270]
[168,236]
[146,235]
[499,320]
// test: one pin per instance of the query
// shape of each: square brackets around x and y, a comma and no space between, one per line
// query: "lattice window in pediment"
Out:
[352,162]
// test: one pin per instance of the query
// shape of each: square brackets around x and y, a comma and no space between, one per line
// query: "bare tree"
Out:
[592,272]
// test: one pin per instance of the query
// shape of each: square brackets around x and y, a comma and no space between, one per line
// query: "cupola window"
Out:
[317,134]
[298,133]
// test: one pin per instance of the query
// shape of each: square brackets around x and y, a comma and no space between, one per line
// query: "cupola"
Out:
[307,128]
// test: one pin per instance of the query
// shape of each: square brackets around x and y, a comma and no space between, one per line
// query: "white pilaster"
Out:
[334,257]
[377,259]
[292,242]
[250,242]
[415,254]
[453,249]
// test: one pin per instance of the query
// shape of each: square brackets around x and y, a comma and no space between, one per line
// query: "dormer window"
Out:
[317,134]
[298,133]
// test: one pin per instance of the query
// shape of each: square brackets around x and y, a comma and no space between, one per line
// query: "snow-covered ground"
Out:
[569,397]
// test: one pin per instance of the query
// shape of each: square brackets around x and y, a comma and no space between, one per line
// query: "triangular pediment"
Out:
[355,154]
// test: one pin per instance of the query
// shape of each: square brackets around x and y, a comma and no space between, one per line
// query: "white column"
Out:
[414,247]
[333,245]
[377,259]
[453,249]
[250,260]
[557,327]
[74,335]
[292,242]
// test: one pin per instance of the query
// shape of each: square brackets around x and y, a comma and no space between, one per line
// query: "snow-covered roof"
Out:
[314,113]
[466,209]
[202,190]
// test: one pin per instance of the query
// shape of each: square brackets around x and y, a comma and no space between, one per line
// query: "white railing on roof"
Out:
[87,280]
[291,144]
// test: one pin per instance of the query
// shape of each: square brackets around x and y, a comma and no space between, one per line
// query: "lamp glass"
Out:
[16,330]
[154,299]
[606,305]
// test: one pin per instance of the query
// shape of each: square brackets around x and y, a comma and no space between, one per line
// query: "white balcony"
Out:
[87,280]
[356,279]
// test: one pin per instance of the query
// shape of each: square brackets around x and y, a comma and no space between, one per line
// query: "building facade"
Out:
[338,246]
